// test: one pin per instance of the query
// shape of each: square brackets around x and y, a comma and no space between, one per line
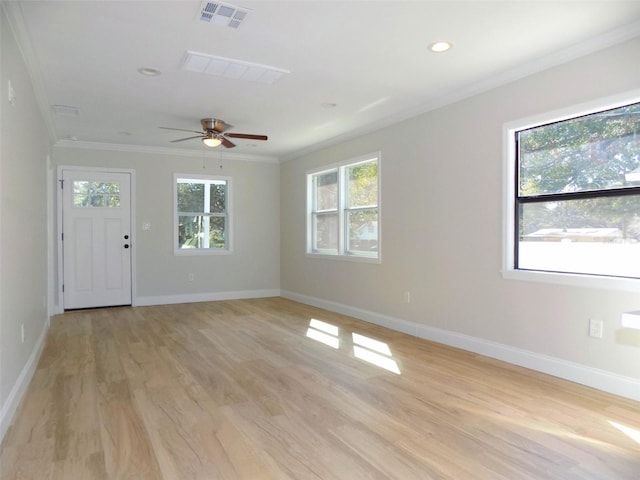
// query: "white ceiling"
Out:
[369,58]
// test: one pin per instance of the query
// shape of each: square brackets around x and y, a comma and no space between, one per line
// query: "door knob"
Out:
[126,245]
[126,237]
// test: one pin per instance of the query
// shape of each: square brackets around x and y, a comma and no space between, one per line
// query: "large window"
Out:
[343,209]
[202,214]
[576,201]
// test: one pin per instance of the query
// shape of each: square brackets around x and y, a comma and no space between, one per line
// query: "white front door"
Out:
[96,222]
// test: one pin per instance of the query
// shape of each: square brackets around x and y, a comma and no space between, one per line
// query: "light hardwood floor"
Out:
[255,389]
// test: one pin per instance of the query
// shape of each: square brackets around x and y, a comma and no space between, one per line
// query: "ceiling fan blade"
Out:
[181,130]
[188,138]
[246,136]
[227,143]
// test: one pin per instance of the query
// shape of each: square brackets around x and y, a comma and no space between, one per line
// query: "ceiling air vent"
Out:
[231,68]
[223,14]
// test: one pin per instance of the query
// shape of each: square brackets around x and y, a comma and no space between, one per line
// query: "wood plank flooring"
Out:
[256,389]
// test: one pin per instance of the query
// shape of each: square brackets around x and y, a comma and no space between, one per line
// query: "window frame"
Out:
[510,192]
[342,211]
[228,215]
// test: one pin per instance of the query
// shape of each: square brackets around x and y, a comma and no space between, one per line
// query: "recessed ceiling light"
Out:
[440,46]
[149,71]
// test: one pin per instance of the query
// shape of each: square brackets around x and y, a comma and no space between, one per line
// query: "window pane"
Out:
[362,185]
[326,191]
[201,231]
[325,231]
[217,195]
[594,152]
[362,226]
[598,236]
[96,194]
[217,232]
[190,197]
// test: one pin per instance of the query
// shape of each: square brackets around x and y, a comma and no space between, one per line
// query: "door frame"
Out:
[58,233]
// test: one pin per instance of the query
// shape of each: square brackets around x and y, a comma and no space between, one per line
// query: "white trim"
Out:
[573,279]
[51,245]
[600,379]
[344,257]
[22,382]
[15,18]
[508,196]
[182,152]
[339,167]
[540,64]
[132,218]
[205,297]
[228,250]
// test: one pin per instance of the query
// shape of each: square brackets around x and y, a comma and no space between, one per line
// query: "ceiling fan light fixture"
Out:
[211,141]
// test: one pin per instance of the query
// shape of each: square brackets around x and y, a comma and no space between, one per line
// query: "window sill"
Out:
[186,252]
[574,280]
[347,258]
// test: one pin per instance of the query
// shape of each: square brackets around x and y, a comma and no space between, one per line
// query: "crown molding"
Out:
[17,24]
[15,18]
[175,152]
[566,55]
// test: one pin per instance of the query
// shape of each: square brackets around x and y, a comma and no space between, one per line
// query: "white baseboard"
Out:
[204,297]
[602,380]
[13,400]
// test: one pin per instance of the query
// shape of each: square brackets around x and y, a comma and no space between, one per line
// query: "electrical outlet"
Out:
[191,277]
[406,296]
[596,328]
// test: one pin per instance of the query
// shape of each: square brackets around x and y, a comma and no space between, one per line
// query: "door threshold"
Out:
[94,308]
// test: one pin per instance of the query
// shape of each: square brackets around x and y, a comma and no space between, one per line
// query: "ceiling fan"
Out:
[213,133]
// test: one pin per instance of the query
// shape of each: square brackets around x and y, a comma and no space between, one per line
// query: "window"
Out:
[202,214]
[343,210]
[87,194]
[576,195]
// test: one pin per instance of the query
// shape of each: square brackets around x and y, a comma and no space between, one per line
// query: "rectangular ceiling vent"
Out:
[231,68]
[223,14]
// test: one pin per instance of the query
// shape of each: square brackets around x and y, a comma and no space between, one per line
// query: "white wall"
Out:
[441,186]
[252,270]
[442,233]
[23,227]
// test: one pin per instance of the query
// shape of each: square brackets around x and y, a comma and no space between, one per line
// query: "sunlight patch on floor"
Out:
[324,327]
[322,337]
[372,351]
[371,344]
[376,359]
[632,433]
